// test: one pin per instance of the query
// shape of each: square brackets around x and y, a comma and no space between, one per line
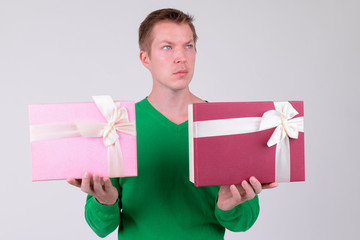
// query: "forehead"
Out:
[171,32]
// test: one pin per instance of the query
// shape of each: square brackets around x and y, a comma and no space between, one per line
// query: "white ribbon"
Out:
[282,119]
[286,127]
[117,119]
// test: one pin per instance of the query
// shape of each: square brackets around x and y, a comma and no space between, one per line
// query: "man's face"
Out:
[172,58]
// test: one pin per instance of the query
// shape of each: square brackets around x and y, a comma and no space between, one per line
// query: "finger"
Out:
[235,193]
[256,185]
[270,185]
[102,183]
[98,187]
[249,191]
[107,184]
[74,182]
[86,184]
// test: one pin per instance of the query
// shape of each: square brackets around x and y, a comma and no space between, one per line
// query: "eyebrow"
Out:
[169,42]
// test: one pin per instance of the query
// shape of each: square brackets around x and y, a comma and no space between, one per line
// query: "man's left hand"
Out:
[232,195]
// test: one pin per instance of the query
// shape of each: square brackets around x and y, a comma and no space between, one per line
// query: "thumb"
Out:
[74,182]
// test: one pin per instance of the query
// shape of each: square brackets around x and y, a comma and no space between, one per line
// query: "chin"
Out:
[181,86]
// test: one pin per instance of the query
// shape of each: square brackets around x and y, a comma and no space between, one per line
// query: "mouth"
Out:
[181,72]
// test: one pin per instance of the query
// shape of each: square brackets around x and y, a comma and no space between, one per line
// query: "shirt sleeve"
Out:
[241,217]
[103,219]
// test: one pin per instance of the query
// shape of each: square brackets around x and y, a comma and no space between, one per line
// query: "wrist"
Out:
[224,207]
[106,203]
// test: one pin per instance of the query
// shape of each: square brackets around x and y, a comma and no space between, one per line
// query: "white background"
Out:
[69,50]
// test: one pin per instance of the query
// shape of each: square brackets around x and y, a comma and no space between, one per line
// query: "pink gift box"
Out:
[226,144]
[61,158]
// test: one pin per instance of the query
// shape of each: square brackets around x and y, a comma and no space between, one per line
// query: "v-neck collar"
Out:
[159,116]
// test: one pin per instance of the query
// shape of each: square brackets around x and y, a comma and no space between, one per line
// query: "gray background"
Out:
[69,50]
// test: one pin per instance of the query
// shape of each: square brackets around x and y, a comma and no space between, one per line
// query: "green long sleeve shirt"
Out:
[161,202]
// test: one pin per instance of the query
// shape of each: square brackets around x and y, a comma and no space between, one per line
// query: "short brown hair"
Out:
[166,14]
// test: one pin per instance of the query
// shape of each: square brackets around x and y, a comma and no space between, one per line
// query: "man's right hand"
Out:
[99,187]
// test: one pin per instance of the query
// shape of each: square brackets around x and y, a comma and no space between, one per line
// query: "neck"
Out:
[173,104]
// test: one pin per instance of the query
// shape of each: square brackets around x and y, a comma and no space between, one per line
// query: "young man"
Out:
[161,202]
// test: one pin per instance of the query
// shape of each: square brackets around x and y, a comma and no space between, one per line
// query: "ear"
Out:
[145,59]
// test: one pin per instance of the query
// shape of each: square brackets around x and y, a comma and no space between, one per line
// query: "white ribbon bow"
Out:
[282,119]
[116,118]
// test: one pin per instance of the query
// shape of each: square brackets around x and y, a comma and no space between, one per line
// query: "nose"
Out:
[180,56]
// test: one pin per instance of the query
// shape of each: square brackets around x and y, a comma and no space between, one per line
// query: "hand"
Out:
[232,195]
[99,187]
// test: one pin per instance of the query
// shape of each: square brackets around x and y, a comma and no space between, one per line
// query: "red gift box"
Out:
[230,142]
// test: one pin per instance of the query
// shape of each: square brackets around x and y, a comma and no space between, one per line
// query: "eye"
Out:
[167,47]
[189,46]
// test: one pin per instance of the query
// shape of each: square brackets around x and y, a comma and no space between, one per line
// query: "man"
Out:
[161,203]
